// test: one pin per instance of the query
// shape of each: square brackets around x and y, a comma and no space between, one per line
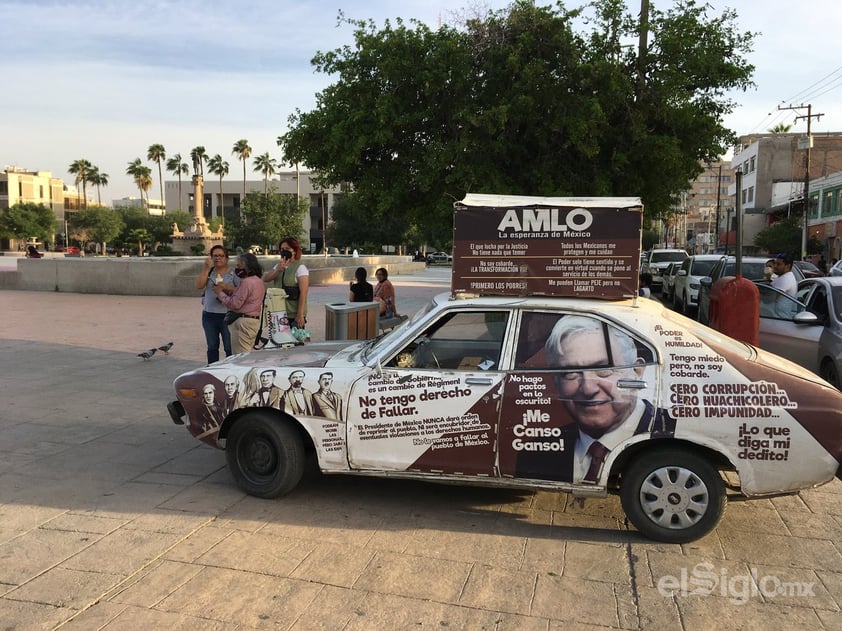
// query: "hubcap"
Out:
[674,497]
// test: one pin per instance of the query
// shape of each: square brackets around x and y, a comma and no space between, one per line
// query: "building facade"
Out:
[18,185]
[775,177]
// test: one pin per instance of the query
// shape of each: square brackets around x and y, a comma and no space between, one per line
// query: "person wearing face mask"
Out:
[293,276]
[246,299]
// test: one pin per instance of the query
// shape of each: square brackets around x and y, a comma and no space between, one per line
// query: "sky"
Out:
[104,79]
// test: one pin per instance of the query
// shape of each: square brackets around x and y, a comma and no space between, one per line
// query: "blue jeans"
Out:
[215,327]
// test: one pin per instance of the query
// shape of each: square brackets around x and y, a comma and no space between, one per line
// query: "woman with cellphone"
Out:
[293,277]
[215,270]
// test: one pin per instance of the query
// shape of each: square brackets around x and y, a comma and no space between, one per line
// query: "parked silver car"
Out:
[753,269]
[807,331]
[667,290]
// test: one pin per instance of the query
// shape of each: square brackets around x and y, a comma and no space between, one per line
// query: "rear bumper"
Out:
[176,411]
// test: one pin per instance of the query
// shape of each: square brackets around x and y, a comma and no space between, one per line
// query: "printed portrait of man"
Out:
[268,394]
[297,399]
[232,398]
[597,373]
[211,413]
[326,402]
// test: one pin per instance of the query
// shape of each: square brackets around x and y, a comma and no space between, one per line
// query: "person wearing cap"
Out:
[785,280]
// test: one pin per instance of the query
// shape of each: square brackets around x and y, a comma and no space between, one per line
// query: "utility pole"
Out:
[808,145]
[718,204]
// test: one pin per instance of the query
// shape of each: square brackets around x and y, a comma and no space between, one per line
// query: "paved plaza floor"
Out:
[112,517]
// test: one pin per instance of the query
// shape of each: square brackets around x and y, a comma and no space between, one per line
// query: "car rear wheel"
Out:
[265,455]
[672,495]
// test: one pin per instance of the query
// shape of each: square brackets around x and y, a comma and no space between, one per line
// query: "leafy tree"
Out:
[179,167]
[140,236]
[519,102]
[780,128]
[219,167]
[156,153]
[81,169]
[267,166]
[27,219]
[785,235]
[97,224]
[242,150]
[158,227]
[266,219]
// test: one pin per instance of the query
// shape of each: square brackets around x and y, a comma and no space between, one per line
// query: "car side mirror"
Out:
[806,317]
[706,281]
[682,272]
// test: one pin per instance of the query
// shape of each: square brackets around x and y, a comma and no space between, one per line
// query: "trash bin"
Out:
[352,320]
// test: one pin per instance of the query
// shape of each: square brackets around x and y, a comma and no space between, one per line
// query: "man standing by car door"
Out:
[785,280]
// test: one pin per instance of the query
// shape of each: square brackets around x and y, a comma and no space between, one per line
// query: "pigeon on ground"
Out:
[147,354]
[166,348]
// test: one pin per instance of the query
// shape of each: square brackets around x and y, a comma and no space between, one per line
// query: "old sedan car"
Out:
[579,395]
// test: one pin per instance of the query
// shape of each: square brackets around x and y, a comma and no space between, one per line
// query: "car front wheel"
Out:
[672,495]
[265,455]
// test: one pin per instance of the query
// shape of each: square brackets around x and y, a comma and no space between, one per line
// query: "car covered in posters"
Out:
[572,394]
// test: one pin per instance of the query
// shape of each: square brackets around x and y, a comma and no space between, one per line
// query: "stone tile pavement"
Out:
[112,518]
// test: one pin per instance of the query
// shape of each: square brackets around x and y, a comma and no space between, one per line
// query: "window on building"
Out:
[4,188]
[827,206]
[745,195]
[751,165]
[750,194]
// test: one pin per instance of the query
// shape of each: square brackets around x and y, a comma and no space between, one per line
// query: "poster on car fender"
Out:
[519,246]
[407,420]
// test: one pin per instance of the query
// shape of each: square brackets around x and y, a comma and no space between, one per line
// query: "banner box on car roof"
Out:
[587,247]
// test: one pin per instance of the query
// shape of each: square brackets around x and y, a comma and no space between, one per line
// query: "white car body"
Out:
[463,392]
[686,284]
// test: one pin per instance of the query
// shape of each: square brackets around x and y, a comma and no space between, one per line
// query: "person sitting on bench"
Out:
[384,293]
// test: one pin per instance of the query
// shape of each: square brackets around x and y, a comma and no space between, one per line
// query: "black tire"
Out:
[672,495]
[265,455]
[829,373]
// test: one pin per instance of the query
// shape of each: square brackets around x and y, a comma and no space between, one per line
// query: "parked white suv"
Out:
[657,263]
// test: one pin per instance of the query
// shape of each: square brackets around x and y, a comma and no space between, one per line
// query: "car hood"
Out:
[312,354]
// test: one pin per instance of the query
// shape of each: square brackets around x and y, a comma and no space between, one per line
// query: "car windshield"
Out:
[702,268]
[667,257]
[752,271]
[378,341]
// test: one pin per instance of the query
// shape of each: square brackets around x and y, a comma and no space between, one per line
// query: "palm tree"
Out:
[98,179]
[157,153]
[218,166]
[199,158]
[243,152]
[175,165]
[780,128]
[144,182]
[81,168]
[267,166]
[142,176]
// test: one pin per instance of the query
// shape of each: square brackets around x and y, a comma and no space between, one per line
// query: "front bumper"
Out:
[176,411]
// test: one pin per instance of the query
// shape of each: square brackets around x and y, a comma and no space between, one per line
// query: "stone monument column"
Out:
[197,231]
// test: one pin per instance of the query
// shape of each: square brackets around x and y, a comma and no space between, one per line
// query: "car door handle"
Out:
[631,383]
[478,381]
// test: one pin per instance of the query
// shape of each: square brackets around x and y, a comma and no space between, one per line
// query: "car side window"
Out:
[817,304]
[467,340]
[776,305]
[540,330]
